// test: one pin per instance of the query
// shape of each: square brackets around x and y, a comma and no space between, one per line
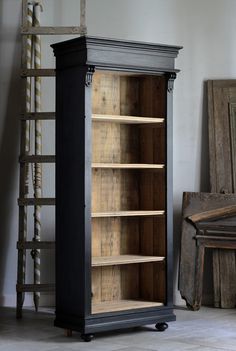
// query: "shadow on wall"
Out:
[204,187]
[9,150]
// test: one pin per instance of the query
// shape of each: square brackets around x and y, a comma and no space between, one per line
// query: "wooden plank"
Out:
[216,278]
[83,15]
[28,245]
[124,259]
[126,119]
[110,246]
[152,189]
[217,213]
[128,213]
[130,245]
[37,202]
[227,278]
[39,115]
[194,203]
[159,270]
[117,190]
[130,278]
[37,159]
[52,30]
[41,72]
[122,305]
[219,138]
[216,237]
[222,133]
[106,147]
[127,165]
[35,287]
[110,283]
[232,118]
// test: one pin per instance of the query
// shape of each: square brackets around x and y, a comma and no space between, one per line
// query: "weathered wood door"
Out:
[222,152]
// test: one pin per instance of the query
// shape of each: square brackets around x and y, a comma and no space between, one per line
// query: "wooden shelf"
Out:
[128,213]
[127,119]
[122,305]
[123,259]
[128,165]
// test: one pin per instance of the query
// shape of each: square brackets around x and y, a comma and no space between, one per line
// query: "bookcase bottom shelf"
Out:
[122,305]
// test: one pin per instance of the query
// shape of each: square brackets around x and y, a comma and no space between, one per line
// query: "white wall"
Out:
[206,29]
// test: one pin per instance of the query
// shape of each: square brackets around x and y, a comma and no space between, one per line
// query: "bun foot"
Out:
[87,337]
[161,326]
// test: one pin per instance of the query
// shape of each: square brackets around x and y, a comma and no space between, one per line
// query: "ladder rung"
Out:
[46,201]
[37,159]
[41,72]
[53,30]
[38,115]
[31,245]
[35,287]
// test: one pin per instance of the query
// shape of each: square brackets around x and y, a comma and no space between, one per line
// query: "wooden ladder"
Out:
[25,159]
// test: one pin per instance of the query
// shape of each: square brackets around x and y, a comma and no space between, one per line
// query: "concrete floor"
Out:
[207,330]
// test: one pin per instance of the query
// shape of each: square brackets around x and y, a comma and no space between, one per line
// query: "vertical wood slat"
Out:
[232,119]
[83,15]
[105,96]
[221,127]
[153,189]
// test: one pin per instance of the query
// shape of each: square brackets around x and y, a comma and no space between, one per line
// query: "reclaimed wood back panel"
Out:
[116,189]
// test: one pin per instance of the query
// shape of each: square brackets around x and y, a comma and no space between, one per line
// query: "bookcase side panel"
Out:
[72,183]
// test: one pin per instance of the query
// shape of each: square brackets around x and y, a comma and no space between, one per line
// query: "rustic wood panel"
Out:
[214,214]
[194,203]
[222,134]
[160,269]
[105,148]
[152,190]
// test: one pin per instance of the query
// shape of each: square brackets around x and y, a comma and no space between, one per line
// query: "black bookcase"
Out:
[113,184]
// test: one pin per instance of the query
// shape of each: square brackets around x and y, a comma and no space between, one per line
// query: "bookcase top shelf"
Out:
[128,213]
[127,119]
[123,259]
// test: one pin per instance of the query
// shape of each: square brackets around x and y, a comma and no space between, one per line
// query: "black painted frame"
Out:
[76,61]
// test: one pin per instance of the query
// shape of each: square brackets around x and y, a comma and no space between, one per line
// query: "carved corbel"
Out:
[170,81]
[89,75]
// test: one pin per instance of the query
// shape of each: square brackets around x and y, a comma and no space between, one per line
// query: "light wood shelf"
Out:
[128,165]
[123,259]
[127,119]
[122,305]
[128,213]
